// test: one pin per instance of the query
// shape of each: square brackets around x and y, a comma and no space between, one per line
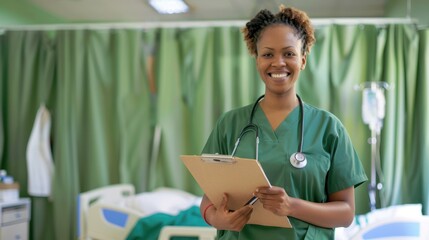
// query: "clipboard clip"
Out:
[218,158]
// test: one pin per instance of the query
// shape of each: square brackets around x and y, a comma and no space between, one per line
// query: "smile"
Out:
[279,75]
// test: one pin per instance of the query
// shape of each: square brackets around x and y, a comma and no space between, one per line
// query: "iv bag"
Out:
[373,108]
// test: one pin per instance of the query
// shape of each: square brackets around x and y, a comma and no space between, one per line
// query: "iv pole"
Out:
[373,186]
[373,112]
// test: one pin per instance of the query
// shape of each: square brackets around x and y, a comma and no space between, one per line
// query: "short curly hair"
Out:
[295,18]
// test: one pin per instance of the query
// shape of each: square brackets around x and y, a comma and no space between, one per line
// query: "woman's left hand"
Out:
[274,199]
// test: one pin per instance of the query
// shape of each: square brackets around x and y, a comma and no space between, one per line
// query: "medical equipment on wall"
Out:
[373,112]
[298,159]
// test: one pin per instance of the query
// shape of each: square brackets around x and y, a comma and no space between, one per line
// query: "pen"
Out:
[251,201]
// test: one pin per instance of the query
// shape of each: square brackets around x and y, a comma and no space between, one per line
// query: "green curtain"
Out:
[118,119]
[400,68]
[103,131]
[27,81]
[420,138]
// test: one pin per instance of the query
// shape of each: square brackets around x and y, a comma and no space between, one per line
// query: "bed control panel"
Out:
[14,219]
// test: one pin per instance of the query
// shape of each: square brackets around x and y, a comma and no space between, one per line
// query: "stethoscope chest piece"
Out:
[298,160]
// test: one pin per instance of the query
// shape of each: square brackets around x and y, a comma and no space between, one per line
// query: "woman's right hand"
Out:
[223,219]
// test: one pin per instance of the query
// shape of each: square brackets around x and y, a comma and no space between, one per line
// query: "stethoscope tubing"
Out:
[297,159]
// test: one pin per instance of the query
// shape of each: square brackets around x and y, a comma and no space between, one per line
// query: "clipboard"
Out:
[238,177]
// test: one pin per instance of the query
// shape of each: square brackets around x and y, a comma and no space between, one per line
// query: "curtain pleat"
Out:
[27,79]
[420,128]
[103,130]
[399,63]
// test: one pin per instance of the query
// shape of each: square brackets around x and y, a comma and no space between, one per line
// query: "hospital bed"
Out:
[113,212]
[104,215]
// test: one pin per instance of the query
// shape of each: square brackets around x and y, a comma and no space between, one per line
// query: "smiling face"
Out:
[279,59]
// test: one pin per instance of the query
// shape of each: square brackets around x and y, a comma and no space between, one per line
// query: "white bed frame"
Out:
[94,223]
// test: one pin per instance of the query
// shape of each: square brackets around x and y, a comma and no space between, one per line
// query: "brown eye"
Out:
[289,54]
[267,55]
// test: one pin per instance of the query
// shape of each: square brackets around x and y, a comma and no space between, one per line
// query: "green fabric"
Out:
[108,105]
[102,128]
[420,148]
[148,228]
[27,81]
[332,163]
[400,71]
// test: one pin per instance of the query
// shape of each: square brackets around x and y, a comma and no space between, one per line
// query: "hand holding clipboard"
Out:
[238,177]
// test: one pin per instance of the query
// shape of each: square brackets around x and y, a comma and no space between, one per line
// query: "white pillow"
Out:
[162,200]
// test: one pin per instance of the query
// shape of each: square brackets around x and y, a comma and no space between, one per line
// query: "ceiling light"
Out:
[169,6]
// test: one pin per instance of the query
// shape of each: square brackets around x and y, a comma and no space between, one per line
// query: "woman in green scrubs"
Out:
[316,198]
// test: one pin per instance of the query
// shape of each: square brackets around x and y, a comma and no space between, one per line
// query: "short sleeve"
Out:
[346,168]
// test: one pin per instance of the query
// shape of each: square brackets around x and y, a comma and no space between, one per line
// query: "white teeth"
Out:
[278,75]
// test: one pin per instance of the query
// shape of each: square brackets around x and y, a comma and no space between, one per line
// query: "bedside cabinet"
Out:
[14,219]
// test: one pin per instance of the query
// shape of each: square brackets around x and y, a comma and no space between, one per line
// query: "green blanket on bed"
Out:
[149,228]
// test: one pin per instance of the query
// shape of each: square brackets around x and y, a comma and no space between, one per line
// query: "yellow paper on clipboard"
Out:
[238,177]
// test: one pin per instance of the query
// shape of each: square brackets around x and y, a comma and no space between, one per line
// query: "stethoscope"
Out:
[298,159]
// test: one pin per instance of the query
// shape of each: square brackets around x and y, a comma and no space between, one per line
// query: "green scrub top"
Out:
[332,162]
